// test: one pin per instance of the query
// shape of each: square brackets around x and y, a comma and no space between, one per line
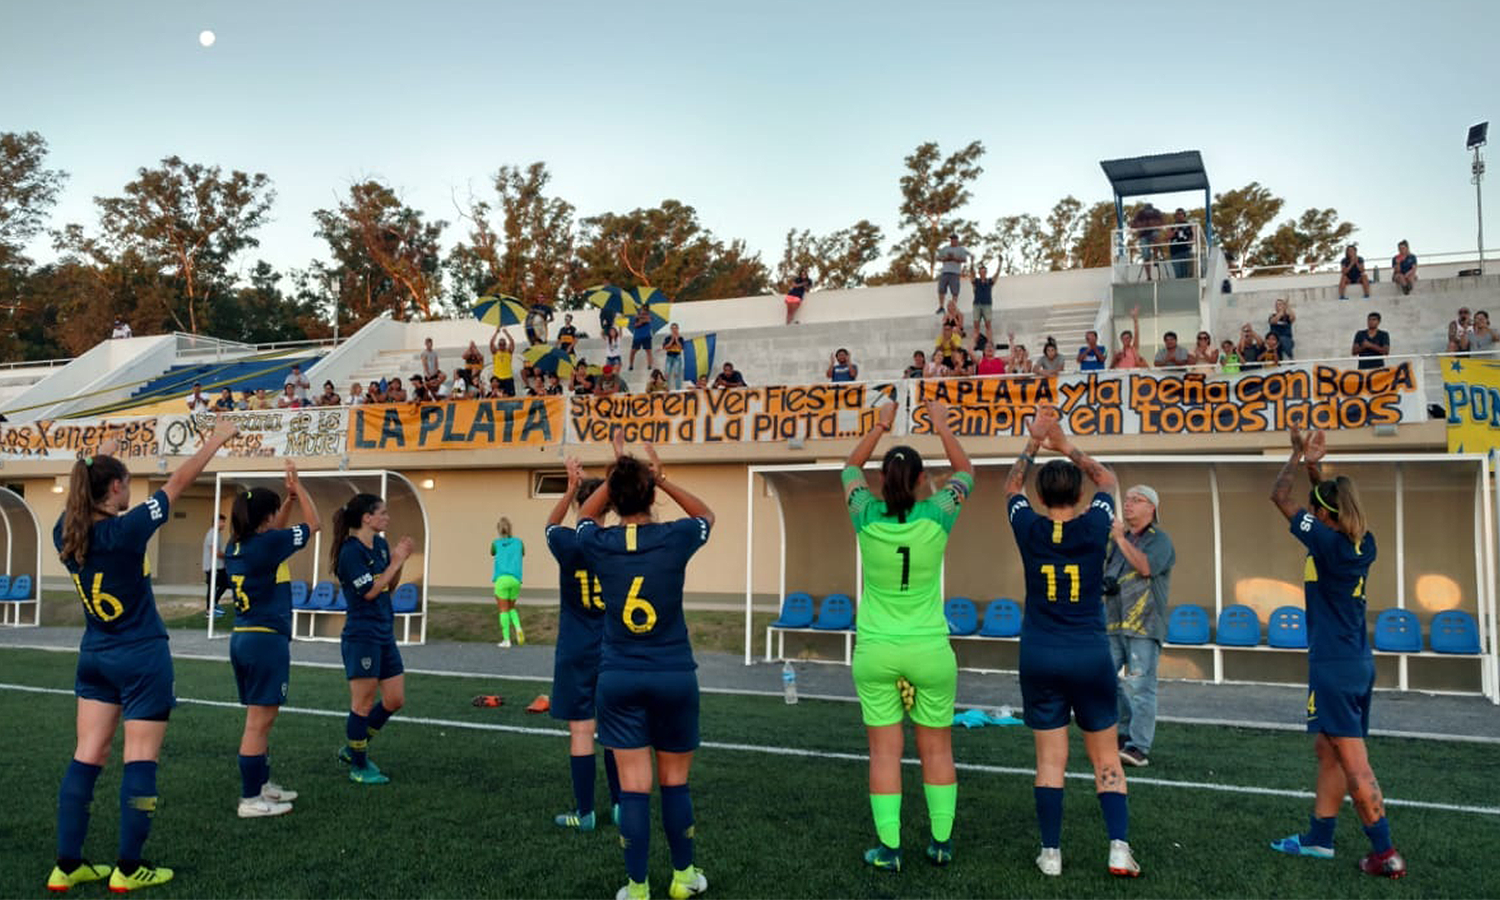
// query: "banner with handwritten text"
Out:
[771,413]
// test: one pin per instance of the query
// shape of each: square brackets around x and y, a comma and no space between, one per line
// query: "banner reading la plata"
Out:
[461,425]
[1472,387]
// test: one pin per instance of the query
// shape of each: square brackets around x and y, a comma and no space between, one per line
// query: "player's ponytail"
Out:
[632,487]
[251,509]
[349,517]
[88,485]
[900,472]
[1340,499]
[503,526]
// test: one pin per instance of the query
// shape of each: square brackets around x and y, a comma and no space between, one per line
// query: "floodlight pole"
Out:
[1478,176]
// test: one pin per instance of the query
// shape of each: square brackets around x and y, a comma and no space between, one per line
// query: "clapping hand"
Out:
[291,479]
[575,473]
[655,463]
[1314,447]
[1296,435]
[224,429]
[618,441]
[887,415]
[404,548]
[1043,424]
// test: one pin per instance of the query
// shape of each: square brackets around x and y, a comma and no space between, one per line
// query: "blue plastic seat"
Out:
[962,616]
[1454,631]
[1187,624]
[1398,631]
[323,595]
[5,587]
[796,611]
[1238,627]
[836,613]
[20,588]
[1002,618]
[1287,629]
[406,599]
[299,595]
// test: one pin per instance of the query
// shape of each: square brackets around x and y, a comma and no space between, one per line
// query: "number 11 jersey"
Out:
[1064,565]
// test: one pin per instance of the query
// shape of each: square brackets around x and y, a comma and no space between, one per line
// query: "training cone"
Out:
[489,700]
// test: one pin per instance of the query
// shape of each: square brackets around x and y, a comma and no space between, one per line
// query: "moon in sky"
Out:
[206,38]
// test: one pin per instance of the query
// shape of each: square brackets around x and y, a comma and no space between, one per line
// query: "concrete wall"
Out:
[107,363]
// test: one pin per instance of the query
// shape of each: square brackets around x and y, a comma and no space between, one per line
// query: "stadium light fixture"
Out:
[428,484]
[1476,140]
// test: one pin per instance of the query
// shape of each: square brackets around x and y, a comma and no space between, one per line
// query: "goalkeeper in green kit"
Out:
[902,635]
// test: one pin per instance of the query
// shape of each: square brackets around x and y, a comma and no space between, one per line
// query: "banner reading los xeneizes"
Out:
[769,413]
[65,439]
[463,425]
[1472,387]
[1144,402]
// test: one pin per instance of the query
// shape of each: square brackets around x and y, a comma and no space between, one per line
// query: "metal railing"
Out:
[1147,254]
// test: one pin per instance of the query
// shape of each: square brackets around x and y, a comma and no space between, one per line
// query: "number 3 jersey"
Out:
[261,581]
[113,583]
[1064,564]
[581,604]
[640,569]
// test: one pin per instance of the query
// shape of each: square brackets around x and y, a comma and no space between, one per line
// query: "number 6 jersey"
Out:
[113,584]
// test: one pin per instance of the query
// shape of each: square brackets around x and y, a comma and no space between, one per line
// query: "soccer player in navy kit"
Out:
[575,664]
[1065,663]
[367,568]
[647,692]
[124,664]
[260,648]
[1340,664]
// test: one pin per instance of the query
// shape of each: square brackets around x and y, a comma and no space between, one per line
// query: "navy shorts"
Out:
[136,677]
[262,662]
[573,682]
[1056,680]
[641,343]
[1338,697]
[648,709]
[370,659]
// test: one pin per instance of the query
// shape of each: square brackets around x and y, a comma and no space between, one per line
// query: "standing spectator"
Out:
[1203,356]
[1403,269]
[1280,324]
[951,316]
[537,317]
[502,349]
[989,363]
[1172,355]
[840,369]
[1372,344]
[225,403]
[1481,338]
[1050,362]
[330,395]
[260,401]
[1229,358]
[918,367]
[640,337]
[984,298]
[612,347]
[1129,355]
[1459,330]
[394,392]
[356,395]
[121,329]
[198,401]
[1250,347]
[215,579]
[1270,353]
[473,365]
[671,346]
[431,365]
[567,335]
[1137,573]
[299,384]
[948,344]
[1091,356]
[729,377]
[1352,271]
[952,258]
[1146,222]
[1181,246]
[797,293]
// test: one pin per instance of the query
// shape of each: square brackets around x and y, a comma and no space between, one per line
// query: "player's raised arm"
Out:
[560,509]
[1097,472]
[958,459]
[1281,490]
[1041,425]
[866,446]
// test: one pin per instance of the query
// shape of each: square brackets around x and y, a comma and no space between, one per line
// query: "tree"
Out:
[1016,245]
[386,254]
[27,191]
[1064,224]
[259,313]
[1239,215]
[932,191]
[1095,245]
[530,255]
[1314,238]
[833,261]
[667,248]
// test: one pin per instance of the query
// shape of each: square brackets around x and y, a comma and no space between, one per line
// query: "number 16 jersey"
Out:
[113,584]
[640,570]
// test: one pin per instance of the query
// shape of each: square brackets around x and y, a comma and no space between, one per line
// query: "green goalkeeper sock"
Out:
[515,618]
[886,808]
[504,626]
[942,801]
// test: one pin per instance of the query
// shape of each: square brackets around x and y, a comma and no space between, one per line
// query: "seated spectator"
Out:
[431,365]
[700,383]
[495,392]
[553,385]
[946,352]
[1050,362]
[198,401]
[260,400]
[729,377]
[612,347]
[436,389]
[1270,354]
[459,378]
[965,364]
[420,393]
[640,337]
[356,395]
[225,403]
[1091,356]
[1280,324]
[1172,355]
[1129,356]
[1459,330]
[918,367]
[1250,348]
[459,390]
[583,383]
[1403,269]
[288,398]
[658,383]
[989,363]
[473,365]
[1372,344]
[1352,271]
[609,382]
[243,402]
[395,392]
[951,316]
[330,396]
[1020,359]
[1203,356]
[567,335]
[299,383]
[121,329]
[1482,337]
[840,369]
[1229,358]
[373,393]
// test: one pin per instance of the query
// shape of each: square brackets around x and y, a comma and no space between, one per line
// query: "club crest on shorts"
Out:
[283,690]
[364,661]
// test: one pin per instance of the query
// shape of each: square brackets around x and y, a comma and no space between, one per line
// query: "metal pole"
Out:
[1478,170]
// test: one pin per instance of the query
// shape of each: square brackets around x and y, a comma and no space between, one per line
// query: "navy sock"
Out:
[137,804]
[582,769]
[677,822]
[357,730]
[1379,835]
[73,800]
[377,718]
[635,833]
[1049,809]
[612,775]
[1319,831]
[1116,811]
[254,772]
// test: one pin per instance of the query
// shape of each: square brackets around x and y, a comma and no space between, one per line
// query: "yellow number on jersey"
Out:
[1312,706]
[1359,587]
[589,595]
[241,599]
[634,603]
[102,606]
[1071,570]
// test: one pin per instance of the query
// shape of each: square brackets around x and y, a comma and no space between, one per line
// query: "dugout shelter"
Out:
[20,580]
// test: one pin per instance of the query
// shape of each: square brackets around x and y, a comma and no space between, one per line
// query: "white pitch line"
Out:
[823,754]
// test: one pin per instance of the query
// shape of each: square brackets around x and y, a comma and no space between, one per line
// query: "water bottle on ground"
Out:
[789,682]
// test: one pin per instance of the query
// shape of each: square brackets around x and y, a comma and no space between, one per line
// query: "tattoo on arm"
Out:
[1090,466]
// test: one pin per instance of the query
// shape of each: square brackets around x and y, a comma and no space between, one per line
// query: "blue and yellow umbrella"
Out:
[499,310]
[549,358]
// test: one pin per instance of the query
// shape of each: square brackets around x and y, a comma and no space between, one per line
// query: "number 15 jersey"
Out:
[1064,564]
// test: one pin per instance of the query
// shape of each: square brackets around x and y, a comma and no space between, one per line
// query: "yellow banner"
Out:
[461,425]
[1473,392]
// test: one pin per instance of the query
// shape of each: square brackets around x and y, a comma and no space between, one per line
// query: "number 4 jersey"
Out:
[1064,564]
[118,603]
[640,569]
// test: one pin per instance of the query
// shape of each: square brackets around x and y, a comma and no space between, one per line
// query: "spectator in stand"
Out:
[1172,355]
[473,365]
[729,377]
[436,389]
[700,383]
[395,392]
[965,367]
[1250,348]
[567,335]
[1270,354]
[1403,269]
[1091,356]
[225,403]
[121,329]
[537,317]
[1280,324]
[1352,271]
[299,384]
[612,347]
[198,401]
[1129,355]
[989,363]
[1050,362]
[419,392]
[1020,359]
[1229,358]
[951,316]
[984,299]
[952,258]
[554,385]
[502,349]
[1203,356]
[244,401]
[583,382]
[431,365]
[357,394]
[1146,222]
[657,383]
[1181,245]
[373,393]
[918,367]
[1459,330]
[330,396]
[797,293]
[288,398]
[1481,338]
[260,400]
[948,344]
[640,337]
[459,391]
[1372,344]
[671,346]
[840,369]
[609,382]
[459,381]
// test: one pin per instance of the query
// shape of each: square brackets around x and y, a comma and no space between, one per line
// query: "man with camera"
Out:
[1137,574]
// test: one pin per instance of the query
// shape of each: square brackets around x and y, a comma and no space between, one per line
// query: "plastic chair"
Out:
[1002,618]
[962,616]
[836,613]
[299,595]
[406,599]
[5,587]
[340,602]
[1287,629]
[1454,631]
[1187,624]
[1398,631]
[796,611]
[322,595]
[1238,627]
[20,588]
